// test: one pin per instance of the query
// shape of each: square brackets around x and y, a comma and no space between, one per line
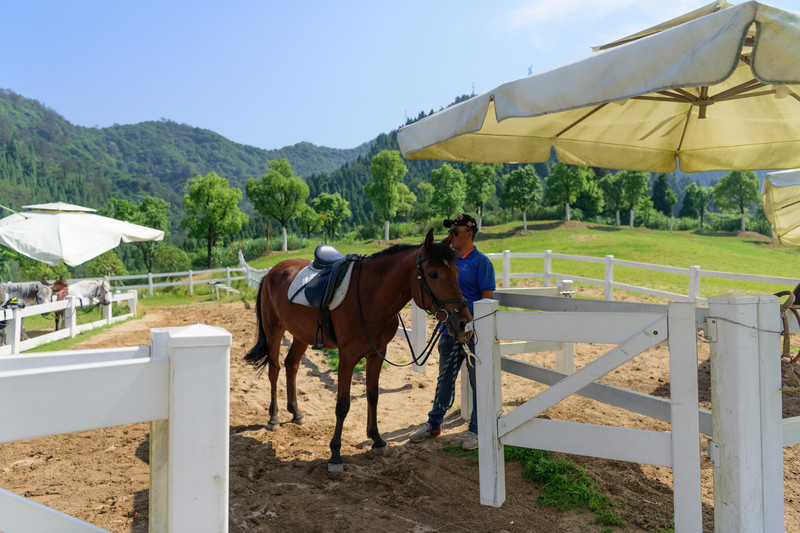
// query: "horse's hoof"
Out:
[381,451]
[272,427]
[299,420]
[335,467]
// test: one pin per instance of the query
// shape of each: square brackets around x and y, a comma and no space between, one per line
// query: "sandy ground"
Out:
[279,479]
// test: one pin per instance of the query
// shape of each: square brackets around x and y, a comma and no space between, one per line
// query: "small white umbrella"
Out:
[719,92]
[780,196]
[64,233]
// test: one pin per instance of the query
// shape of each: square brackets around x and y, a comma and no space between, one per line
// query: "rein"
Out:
[422,358]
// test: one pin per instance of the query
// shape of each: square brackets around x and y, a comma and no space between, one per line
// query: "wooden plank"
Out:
[515,347]
[72,357]
[39,402]
[21,514]
[650,336]
[621,444]
[630,400]
[557,303]
[685,423]
[606,328]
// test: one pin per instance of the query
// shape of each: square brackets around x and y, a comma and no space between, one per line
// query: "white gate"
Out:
[180,383]
[633,328]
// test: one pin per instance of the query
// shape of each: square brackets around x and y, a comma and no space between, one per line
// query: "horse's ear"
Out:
[428,240]
[45,282]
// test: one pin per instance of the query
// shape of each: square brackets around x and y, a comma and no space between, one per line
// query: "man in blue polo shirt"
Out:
[476,280]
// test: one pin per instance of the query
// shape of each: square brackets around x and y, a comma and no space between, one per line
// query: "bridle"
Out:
[438,305]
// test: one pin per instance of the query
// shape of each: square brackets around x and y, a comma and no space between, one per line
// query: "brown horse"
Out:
[363,324]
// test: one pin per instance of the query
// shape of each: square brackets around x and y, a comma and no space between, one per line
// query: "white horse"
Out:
[87,289]
[29,292]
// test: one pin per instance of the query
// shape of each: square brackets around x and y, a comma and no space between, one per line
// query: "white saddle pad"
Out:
[307,274]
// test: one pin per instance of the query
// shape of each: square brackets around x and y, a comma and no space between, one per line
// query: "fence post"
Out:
[491,464]
[71,316]
[506,269]
[189,450]
[694,283]
[547,268]
[15,327]
[150,282]
[133,300]
[191,283]
[609,278]
[740,415]
[769,349]
[419,334]
[228,276]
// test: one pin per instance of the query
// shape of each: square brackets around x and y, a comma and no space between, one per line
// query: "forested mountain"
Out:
[45,158]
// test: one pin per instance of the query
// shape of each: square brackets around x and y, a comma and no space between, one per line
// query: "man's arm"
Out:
[487,294]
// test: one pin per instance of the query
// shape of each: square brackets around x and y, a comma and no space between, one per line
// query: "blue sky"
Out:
[271,74]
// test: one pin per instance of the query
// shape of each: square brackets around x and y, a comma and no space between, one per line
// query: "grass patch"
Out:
[332,360]
[65,344]
[565,484]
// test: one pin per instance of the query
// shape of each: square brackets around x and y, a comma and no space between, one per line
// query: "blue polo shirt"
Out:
[475,275]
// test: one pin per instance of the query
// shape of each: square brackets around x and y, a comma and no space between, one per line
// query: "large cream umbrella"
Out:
[780,196]
[719,92]
[65,233]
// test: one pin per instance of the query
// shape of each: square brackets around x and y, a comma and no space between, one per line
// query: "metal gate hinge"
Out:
[712,449]
[711,329]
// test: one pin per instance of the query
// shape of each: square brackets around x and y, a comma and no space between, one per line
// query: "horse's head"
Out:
[44,293]
[103,292]
[437,287]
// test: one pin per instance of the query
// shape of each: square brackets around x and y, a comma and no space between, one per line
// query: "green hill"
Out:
[44,158]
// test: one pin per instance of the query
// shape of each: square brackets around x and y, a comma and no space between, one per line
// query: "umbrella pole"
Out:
[8,209]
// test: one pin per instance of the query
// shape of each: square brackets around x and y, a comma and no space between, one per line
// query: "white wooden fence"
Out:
[746,426]
[190,280]
[180,383]
[71,306]
[694,275]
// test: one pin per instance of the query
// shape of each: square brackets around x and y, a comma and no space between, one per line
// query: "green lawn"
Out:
[711,251]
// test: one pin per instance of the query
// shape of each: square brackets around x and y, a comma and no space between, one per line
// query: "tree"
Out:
[664,198]
[384,191]
[564,184]
[450,185]
[612,192]
[171,259]
[521,190]
[212,209]
[695,201]
[634,189]
[737,190]
[308,219]
[279,194]
[332,209]
[151,212]
[590,200]
[106,264]
[480,180]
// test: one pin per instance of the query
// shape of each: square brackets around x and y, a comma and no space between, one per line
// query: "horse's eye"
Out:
[433,275]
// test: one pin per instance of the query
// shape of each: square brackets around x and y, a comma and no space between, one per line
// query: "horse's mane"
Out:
[438,251]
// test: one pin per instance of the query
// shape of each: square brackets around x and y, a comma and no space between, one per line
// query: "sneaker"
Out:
[470,441]
[424,432]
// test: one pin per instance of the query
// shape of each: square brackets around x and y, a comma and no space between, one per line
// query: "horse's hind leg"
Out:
[273,353]
[346,365]
[292,363]
[379,446]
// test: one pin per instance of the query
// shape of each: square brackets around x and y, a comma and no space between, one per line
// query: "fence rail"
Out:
[693,273]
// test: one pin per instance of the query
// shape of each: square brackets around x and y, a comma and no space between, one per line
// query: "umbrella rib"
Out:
[739,89]
[584,117]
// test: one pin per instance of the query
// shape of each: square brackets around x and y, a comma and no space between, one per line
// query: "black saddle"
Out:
[319,292]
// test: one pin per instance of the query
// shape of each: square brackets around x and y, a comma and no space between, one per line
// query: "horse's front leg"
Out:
[273,355]
[346,365]
[374,363]
[292,363]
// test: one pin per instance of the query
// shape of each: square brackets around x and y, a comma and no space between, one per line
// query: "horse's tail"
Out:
[258,356]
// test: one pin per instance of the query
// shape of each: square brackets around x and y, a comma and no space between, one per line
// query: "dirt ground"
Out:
[279,479]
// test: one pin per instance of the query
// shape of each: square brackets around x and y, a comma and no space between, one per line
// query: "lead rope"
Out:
[452,366]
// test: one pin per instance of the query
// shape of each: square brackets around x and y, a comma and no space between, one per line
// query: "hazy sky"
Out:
[273,73]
